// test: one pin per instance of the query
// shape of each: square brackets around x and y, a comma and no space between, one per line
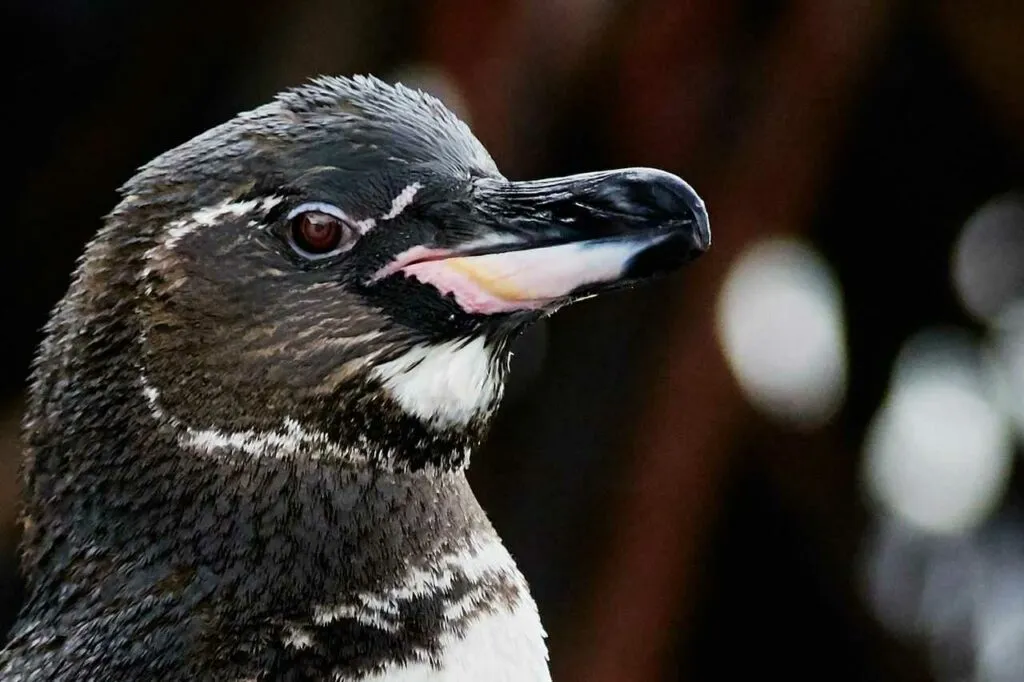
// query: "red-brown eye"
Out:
[318,234]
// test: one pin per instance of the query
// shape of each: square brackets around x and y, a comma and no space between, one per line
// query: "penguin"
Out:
[249,421]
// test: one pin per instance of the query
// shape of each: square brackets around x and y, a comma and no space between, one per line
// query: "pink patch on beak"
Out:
[527,279]
[468,292]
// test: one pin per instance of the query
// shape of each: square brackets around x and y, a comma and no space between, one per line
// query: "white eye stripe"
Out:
[320,207]
[402,201]
[362,226]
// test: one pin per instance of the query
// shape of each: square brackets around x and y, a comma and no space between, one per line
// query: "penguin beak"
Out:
[545,243]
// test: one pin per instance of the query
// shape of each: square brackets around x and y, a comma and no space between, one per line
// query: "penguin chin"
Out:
[449,384]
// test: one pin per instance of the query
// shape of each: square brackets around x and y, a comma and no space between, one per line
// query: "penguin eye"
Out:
[317,231]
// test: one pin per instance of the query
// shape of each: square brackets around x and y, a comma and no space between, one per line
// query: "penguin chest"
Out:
[502,646]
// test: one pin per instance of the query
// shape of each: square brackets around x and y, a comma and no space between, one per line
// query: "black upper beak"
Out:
[617,203]
[638,205]
[544,242]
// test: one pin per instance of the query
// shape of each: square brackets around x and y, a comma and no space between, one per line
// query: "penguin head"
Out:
[341,271]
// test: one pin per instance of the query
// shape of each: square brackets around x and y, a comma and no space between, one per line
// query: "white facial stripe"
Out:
[402,201]
[204,217]
[445,384]
[212,215]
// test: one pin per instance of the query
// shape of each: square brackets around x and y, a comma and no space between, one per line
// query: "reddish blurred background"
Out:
[801,457]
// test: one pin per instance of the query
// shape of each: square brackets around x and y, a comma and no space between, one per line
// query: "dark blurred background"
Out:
[798,459]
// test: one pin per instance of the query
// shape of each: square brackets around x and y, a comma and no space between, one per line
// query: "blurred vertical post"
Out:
[812,65]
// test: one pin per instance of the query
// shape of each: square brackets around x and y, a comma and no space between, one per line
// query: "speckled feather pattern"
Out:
[151,559]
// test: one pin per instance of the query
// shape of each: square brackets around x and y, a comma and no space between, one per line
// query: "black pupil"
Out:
[317,232]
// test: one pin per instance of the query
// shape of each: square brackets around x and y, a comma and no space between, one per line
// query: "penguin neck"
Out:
[302,528]
[321,561]
[323,544]
[341,494]
[315,556]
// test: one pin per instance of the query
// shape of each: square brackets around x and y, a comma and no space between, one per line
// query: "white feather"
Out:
[504,644]
[402,201]
[446,384]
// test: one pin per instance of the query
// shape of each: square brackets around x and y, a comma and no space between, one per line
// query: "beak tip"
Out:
[672,198]
[689,203]
[702,233]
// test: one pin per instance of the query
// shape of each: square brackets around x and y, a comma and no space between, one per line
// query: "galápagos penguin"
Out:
[251,414]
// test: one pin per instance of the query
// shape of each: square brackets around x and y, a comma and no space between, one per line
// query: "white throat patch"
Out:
[445,384]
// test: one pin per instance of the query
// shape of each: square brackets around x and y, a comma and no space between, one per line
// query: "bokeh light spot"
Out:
[988,259]
[780,322]
[939,451]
